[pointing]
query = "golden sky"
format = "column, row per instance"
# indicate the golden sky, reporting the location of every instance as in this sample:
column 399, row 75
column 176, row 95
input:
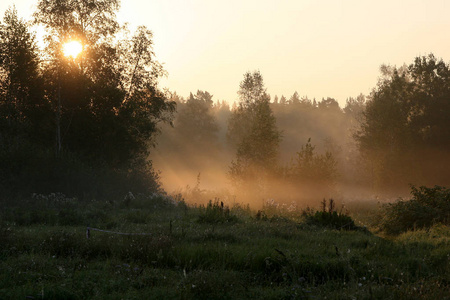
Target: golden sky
column 319, row 48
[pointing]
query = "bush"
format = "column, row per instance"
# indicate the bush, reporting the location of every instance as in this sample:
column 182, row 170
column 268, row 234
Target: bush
column 216, row 212
column 329, row 217
column 428, row 206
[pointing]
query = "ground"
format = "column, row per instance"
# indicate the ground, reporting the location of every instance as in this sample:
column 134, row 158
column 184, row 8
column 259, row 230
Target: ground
column 208, row 252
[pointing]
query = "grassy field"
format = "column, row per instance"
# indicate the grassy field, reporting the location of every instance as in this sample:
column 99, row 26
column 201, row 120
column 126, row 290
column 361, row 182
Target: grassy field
column 208, row 252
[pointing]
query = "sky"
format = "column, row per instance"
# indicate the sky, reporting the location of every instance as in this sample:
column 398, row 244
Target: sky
column 319, row 48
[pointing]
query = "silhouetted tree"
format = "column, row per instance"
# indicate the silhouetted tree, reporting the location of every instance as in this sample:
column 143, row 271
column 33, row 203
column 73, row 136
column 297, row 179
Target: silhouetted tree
column 251, row 89
column 21, row 95
column 196, row 122
column 329, row 104
column 275, row 99
column 355, row 107
column 405, row 133
column 106, row 103
column 315, row 173
column 111, row 102
column 295, row 98
column 253, row 127
column 430, row 101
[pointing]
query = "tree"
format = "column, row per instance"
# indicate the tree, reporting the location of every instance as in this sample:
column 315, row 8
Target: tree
column 430, row 101
column 91, row 21
column 21, row 95
column 315, row 172
column 111, row 104
column 329, row 104
column 405, row 127
column 275, row 99
column 144, row 105
column 81, row 91
column 251, row 89
column 384, row 136
column 306, row 102
column 354, row 107
column 106, row 103
column 251, row 94
column 295, row 98
column 253, row 127
column 196, row 120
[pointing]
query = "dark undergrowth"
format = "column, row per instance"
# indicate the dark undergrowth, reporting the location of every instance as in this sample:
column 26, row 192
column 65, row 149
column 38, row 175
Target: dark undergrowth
column 427, row 207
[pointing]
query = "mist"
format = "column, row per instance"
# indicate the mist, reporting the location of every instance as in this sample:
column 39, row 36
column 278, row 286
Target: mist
column 189, row 162
column 372, row 148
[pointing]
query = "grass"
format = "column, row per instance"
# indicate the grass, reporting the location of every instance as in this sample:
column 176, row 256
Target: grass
column 208, row 252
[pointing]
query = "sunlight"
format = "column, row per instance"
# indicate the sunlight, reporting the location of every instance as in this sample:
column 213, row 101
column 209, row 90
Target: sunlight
column 40, row 33
column 72, row 48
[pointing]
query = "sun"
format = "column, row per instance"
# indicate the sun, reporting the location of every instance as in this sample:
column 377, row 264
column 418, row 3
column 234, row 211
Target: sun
column 72, row 48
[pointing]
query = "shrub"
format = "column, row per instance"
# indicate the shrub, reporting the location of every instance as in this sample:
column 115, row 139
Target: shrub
column 428, row 206
column 328, row 217
column 216, row 212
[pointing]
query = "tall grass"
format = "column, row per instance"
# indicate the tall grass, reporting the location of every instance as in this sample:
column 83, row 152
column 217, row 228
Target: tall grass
column 197, row 253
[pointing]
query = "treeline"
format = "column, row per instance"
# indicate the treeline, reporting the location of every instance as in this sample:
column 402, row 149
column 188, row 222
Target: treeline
column 300, row 148
column 86, row 125
column 78, row 125
column 266, row 147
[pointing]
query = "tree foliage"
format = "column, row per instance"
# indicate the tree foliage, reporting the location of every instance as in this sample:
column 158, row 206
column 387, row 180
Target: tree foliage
column 110, row 93
column 21, row 101
column 355, row 106
column 197, row 121
column 405, row 127
column 313, row 171
column 251, row 89
column 313, row 167
column 104, row 106
column 252, row 127
column 329, row 104
column 88, row 20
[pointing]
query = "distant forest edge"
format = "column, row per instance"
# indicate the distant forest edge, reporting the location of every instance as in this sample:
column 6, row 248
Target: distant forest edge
column 98, row 126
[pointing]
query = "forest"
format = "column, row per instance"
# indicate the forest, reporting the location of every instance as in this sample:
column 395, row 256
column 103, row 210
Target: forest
column 376, row 144
column 91, row 139
column 102, row 116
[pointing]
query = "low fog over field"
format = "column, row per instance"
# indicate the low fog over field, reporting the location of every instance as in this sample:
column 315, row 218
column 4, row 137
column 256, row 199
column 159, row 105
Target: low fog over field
column 296, row 149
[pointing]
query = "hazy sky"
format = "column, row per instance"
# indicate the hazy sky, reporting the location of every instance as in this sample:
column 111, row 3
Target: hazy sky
column 328, row 48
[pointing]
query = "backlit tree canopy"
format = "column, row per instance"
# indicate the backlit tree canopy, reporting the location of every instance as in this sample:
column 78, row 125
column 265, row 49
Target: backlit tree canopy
column 21, row 98
column 252, row 127
column 406, row 125
column 102, row 106
column 109, row 94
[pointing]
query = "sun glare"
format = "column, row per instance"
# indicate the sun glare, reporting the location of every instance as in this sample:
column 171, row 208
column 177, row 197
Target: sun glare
column 72, row 48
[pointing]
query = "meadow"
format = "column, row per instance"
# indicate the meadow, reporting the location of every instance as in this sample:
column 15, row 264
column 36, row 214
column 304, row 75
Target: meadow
column 173, row 250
